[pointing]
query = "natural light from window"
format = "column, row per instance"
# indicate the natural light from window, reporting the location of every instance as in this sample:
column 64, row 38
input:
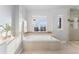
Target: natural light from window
column 40, row 23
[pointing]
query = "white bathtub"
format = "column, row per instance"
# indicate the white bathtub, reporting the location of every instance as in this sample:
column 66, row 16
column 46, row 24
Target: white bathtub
column 41, row 43
column 40, row 38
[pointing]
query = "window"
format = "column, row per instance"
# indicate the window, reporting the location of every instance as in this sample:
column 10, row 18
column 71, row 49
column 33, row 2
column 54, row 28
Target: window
column 5, row 27
column 5, row 22
column 60, row 22
column 40, row 23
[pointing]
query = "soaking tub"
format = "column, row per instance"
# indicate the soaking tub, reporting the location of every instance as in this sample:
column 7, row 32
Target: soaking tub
column 41, row 43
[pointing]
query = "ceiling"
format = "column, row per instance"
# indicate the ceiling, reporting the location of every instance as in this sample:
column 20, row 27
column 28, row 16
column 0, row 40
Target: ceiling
column 48, row 7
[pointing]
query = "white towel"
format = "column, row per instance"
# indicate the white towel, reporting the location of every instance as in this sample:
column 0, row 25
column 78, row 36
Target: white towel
column 75, row 25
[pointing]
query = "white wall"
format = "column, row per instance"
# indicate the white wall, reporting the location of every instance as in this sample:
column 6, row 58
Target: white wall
column 64, row 32
column 22, row 18
column 15, row 20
